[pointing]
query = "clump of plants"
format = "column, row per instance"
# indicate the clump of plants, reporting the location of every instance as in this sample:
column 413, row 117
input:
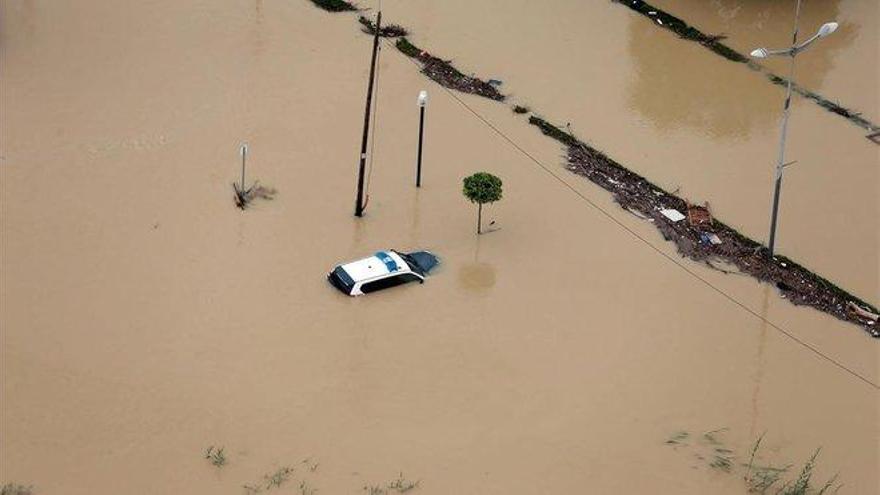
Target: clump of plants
column 306, row 489
column 335, row 5
column 310, row 464
column 16, row 489
column 399, row 485
column 403, row 485
column 759, row 478
column 519, row 109
column 278, row 478
column 216, row 456
column 387, row 31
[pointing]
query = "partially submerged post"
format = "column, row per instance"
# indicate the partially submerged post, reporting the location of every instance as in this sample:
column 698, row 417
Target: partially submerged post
column 359, row 204
column 244, row 149
column 243, row 194
column 423, row 100
column 791, row 52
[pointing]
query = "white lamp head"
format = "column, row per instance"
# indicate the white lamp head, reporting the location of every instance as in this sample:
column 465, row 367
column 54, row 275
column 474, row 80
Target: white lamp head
column 827, row 28
column 423, row 98
column 759, row 53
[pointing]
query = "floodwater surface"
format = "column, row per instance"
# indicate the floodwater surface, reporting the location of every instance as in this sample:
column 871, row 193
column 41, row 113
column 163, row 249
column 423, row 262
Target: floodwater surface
column 143, row 318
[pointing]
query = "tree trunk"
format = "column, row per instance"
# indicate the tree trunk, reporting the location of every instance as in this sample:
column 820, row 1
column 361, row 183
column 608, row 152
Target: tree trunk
column 479, row 218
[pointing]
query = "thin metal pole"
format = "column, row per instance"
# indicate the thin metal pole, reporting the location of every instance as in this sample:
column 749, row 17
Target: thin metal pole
column 243, row 161
column 780, row 164
column 421, row 136
column 359, row 205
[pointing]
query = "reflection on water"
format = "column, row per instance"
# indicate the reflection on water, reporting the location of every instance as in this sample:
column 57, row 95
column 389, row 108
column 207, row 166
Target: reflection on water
column 695, row 88
column 476, row 276
column 759, row 360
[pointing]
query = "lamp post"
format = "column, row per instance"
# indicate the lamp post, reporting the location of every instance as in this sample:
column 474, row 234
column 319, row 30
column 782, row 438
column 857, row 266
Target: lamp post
column 423, row 101
column 790, row 52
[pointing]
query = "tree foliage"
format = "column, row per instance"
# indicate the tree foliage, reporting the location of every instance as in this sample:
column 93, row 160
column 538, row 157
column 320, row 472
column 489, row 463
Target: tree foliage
column 482, row 188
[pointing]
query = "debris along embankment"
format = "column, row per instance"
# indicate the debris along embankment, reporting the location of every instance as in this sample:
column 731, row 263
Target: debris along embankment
column 445, row 74
column 702, row 238
column 712, row 42
column 335, row 5
column 439, row 70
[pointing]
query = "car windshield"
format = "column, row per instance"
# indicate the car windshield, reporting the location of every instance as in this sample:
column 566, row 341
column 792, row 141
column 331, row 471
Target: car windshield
column 412, row 263
column 341, row 279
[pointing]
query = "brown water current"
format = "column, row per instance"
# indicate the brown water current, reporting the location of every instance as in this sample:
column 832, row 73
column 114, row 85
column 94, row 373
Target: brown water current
column 144, row 318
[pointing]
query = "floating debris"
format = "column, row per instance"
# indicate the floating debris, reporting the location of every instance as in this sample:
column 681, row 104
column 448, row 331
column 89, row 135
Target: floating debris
column 699, row 215
column 444, row 73
column 640, row 197
column 243, row 198
column 671, row 214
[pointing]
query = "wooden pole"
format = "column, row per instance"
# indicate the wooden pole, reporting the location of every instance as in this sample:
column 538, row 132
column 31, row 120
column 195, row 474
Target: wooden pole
column 359, row 205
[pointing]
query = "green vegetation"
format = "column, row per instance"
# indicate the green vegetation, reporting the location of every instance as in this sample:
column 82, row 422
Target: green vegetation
column 387, row 31
column 403, row 485
column 407, row 48
column 399, row 485
column 759, row 479
column 216, row 456
column 16, row 489
column 335, row 5
column 278, row 478
column 306, row 489
column 554, row 132
column 678, row 438
column 482, row 188
column 519, row 109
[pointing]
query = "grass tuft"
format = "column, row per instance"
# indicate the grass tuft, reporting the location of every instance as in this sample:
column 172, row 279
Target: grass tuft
column 16, row 489
column 216, row 456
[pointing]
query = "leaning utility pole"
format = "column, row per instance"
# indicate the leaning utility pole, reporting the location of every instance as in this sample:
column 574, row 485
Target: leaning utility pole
column 359, row 205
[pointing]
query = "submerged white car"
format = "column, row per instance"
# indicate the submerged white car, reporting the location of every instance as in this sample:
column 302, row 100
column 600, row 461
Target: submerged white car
column 383, row 270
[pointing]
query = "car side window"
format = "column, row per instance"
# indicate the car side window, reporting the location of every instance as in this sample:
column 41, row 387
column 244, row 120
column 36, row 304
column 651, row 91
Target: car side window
column 388, row 282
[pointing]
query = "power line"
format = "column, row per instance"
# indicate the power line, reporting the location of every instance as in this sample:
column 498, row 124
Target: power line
column 635, row 234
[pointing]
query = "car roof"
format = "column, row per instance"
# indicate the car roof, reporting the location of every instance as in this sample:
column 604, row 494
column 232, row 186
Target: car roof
column 382, row 263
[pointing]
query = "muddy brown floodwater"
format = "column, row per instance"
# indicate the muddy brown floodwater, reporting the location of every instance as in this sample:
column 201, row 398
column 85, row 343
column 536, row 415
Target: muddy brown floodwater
column 144, row 318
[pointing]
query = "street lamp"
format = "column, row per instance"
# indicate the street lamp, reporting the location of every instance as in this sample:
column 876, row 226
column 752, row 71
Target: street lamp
column 791, row 52
column 423, row 100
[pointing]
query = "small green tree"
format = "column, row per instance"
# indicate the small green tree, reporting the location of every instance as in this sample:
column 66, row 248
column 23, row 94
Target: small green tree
column 481, row 188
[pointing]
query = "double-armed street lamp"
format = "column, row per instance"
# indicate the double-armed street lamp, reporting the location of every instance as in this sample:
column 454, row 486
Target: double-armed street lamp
column 791, row 52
